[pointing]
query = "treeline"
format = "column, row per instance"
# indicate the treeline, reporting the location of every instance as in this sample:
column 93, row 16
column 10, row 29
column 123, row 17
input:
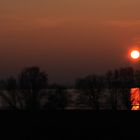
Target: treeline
column 117, row 83
column 31, row 90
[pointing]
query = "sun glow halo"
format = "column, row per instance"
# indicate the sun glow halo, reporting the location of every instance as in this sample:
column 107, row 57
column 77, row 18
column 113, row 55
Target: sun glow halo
column 135, row 54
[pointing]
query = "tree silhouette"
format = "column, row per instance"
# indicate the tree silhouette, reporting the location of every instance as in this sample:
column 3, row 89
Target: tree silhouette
column 30, row 89
column 25, row 92
column 31, row 82
column 119, row 83
column 137, row 78
column 57, row 98
column 112, row 85
column 91, row 87
column 10, row 95
column 127, row 81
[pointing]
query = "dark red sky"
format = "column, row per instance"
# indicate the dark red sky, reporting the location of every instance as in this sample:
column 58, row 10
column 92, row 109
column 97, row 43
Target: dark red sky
column 67, row 38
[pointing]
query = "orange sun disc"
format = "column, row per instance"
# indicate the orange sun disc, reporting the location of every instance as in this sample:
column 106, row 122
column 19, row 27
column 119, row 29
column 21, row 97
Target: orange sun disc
column 135, row 54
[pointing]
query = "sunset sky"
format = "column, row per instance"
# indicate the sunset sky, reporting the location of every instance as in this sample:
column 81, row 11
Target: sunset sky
column 67, row 38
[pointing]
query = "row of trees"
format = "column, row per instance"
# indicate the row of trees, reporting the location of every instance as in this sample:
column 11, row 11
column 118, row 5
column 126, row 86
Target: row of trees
column 117, row 83
column 31, row 91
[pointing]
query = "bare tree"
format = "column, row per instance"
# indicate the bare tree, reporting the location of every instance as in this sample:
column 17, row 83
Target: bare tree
column 119, row 82
column 25, row 92
column 10, row 94
column 91, row 87
column 57, row 98
column 127, row 81
column 31, row 82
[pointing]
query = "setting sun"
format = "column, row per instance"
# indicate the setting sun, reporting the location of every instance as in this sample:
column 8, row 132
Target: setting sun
column 135, row 54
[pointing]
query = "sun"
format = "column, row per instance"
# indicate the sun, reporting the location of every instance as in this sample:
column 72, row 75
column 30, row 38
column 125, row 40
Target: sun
column 135, row 54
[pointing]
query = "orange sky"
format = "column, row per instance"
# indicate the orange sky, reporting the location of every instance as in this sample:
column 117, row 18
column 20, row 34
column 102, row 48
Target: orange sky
column 67, row 38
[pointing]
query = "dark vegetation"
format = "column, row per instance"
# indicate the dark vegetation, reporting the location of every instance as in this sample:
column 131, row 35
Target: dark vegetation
column 31, row 90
